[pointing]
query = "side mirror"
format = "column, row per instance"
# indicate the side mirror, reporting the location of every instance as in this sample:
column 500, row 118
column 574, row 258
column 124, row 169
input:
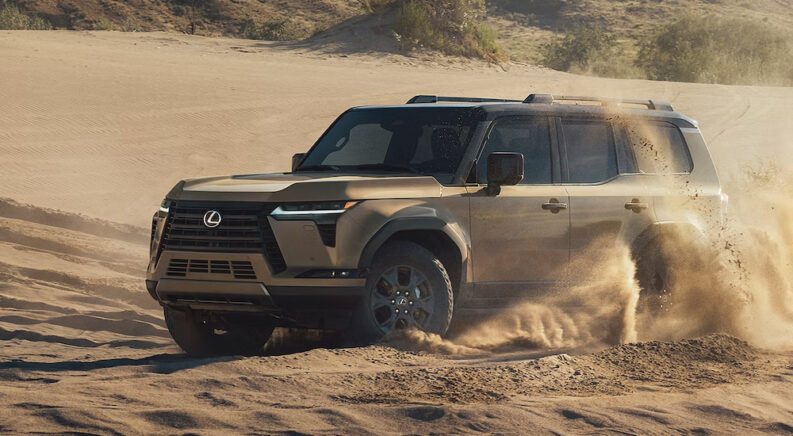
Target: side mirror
column 297, row 159
column 503, row 169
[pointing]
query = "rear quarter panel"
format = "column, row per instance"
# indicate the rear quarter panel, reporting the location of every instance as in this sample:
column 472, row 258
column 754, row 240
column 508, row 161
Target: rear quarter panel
column 693, row 198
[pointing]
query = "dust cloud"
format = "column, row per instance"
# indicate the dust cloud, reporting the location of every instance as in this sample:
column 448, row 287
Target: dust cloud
column 738, row 280
column 744, row 287
column 598, row 312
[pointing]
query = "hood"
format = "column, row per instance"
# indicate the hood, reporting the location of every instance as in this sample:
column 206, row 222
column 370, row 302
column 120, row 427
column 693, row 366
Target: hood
column 283, row 187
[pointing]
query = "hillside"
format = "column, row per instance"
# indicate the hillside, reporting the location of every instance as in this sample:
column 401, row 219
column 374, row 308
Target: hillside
column 707, row 41
column 100, row 125
column 523, row 25
column 202, row 17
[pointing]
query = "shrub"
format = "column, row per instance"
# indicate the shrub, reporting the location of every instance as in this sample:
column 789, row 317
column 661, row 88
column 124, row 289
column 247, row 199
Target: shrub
column 588, row 50
column 718, row 50
column 577, row 48
column 375, row 6
column 276, row 30
column 12, row 18
column 130, row 24
column 104, row 24
column 451, row 26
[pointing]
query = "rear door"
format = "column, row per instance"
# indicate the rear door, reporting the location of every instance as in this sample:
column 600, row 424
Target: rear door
column 609, row 203
column 520, row 238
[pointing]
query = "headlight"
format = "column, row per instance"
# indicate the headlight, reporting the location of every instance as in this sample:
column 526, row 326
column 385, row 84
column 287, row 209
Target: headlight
column 156, row 220
column 293, row 210
column 165, row 206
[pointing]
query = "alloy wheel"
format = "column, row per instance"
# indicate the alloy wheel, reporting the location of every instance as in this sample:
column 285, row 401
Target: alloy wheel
column 402, row 297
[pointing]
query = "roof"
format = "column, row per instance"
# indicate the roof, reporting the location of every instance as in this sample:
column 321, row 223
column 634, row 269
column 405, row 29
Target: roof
column 546, row 104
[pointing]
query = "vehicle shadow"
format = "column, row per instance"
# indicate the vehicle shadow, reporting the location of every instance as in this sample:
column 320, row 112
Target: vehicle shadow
column 283, row 342
column 159, row 363
column 290, row 341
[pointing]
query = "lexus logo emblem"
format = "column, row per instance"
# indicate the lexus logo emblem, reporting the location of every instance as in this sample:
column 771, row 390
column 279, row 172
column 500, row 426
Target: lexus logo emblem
column 212, row 219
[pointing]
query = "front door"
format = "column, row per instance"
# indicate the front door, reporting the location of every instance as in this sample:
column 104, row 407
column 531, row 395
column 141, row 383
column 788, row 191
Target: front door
column 520, row 238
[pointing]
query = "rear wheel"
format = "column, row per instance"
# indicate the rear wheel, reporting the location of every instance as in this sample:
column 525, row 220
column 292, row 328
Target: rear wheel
column 664, row 266
column 655, row 276
column 204, row 336
column 407, row 287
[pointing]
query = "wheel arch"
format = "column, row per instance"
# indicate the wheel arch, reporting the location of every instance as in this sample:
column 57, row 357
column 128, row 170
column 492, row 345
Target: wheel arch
column 431, row 233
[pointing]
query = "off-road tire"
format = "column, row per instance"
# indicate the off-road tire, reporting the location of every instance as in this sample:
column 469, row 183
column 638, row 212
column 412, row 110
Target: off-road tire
column 655, row 276
column 665, row 263
column 363, row 328
column 198, row 338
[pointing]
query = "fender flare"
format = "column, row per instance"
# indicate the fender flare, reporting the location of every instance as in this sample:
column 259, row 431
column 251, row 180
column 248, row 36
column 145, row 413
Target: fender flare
column 396, row 225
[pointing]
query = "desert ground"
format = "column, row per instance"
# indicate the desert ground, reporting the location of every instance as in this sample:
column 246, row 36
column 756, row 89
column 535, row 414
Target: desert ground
column 95, row 127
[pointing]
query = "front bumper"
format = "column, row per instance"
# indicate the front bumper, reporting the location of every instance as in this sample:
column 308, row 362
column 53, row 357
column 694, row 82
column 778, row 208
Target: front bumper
column 226, row 296
column 243, row 282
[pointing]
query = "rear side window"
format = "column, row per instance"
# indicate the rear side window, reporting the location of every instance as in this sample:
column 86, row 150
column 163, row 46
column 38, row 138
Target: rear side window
column 659, row 148
column 591, row 154
column 529, row 136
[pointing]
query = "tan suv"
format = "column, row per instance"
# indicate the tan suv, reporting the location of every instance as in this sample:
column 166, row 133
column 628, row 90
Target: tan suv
column 410, row 215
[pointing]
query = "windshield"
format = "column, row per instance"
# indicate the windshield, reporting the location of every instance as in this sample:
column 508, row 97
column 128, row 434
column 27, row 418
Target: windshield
column 421, row 140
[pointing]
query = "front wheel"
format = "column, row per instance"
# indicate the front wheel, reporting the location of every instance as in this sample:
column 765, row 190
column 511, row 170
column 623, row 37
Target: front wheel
column 200, row 336
column 407, row 287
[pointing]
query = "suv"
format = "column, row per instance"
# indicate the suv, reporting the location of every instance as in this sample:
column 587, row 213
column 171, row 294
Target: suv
column 405, row 216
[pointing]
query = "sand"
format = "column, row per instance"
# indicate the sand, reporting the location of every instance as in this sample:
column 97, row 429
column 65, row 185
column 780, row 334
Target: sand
column 95, row 127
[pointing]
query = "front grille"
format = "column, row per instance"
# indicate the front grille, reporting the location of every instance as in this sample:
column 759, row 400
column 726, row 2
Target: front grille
column 244, row 228
column 238, row 269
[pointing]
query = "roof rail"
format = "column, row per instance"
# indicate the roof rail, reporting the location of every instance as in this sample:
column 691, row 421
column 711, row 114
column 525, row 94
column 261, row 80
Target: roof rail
column 659, row 105
column 436, row 99
column 539, row 98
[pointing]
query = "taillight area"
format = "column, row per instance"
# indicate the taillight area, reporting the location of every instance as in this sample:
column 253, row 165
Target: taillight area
column 725, row 199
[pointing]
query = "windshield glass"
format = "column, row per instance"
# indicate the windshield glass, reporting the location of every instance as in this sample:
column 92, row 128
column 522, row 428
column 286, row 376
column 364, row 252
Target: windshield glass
column 419, row 140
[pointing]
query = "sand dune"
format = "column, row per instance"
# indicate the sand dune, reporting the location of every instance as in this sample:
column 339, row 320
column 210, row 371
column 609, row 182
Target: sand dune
column 104, row 123
column 95, row 128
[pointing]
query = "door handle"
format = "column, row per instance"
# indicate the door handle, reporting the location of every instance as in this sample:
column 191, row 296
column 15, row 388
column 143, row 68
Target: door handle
column 636, row 206
column 554, row 205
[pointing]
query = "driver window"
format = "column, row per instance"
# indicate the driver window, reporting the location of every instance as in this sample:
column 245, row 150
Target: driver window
column 528, row 136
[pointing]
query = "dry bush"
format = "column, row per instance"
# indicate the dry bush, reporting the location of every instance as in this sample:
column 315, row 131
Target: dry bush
column 718, row 50
column 588, row 49
column 104, row 24
column 375, row 6
column 274, row 30
column 12, row 18
column 130, row 24
column 577, row 48
column 452, row 26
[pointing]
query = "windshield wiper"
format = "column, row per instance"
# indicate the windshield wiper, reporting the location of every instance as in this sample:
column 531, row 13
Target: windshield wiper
column 318, row 168
column 387, row 167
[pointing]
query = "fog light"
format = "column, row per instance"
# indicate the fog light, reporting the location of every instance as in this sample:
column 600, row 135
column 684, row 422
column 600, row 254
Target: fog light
column 329, row 274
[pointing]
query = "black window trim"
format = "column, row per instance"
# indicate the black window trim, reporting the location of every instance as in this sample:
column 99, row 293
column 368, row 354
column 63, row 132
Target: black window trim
column 563, row 148
column 626, row 159
column 552, row 132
